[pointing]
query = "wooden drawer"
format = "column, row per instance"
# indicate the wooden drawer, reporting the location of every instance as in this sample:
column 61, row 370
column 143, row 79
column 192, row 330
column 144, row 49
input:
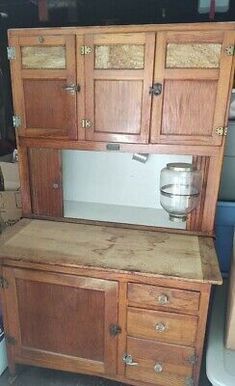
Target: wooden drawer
column 147, row 296
column 159, row 363
column 162, row 326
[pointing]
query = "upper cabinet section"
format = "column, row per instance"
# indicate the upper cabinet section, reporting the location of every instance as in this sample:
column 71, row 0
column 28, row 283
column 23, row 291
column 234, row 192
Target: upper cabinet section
column 142, row 85
column 118, row 73
column 44, row 86
column 193, row 70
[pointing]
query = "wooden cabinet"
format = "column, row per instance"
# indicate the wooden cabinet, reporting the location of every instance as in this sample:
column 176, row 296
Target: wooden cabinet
column 150, row 84
column 100, row 300
column 63, row 320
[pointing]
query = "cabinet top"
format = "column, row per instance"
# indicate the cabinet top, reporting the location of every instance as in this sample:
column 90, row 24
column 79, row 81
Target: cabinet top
column 162, row 254
column 213, row 26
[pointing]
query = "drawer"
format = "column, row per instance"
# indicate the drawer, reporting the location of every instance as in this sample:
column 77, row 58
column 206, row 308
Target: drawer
column 159, row 363
column 148, row 296
column 162, row 326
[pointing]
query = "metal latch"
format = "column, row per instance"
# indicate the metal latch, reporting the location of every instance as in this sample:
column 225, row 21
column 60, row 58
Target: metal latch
column 115, row 329
column 11, row 53
column 230, row 50
column 3, row 282
column 221, row 131
column 16, row 121
column 85, row 50
column 155, row 89
column 128, row 360
column 86, row 124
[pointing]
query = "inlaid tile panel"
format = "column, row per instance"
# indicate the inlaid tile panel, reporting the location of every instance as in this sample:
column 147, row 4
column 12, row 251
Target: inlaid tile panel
column 119, row 56
column 47, row 57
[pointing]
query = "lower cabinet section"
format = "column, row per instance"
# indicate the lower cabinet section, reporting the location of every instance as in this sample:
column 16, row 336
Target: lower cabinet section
column 98, row 325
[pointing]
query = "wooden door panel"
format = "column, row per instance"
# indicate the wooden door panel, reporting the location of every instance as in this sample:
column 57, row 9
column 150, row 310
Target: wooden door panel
column 64, row 320
column 45, row 182
column 194, row 71
column 118, row 74
column 115, row 113
column 177, row 118
column 44, row 68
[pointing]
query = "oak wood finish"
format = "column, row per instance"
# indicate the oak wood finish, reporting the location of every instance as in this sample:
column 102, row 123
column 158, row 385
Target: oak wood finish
column 45, row 181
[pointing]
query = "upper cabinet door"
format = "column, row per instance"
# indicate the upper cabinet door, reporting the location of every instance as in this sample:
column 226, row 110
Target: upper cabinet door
column 44, row 85
column 193, row 71
column 118, row 74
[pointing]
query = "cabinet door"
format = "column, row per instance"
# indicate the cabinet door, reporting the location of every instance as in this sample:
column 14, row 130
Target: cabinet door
column 62, row 321
column 45, row 180
column 118, row 74
column 194, row 70
column 44, row 85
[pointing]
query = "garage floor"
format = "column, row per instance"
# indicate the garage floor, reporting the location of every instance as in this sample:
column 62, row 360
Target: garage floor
column 33, row 376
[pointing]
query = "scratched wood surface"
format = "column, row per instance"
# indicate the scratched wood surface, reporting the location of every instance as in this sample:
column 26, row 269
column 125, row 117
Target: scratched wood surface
column 174, row 255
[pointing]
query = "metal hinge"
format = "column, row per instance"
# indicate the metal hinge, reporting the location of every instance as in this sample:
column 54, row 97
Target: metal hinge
column 230, row 50
column 10, row 340
column 3, row 282
column 86, row 124
column 11, row 53
column 85, row 50
column 221, row 131
column 16, row 121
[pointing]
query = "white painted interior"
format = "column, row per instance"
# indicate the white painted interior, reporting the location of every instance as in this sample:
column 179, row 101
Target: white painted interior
column 110, row 186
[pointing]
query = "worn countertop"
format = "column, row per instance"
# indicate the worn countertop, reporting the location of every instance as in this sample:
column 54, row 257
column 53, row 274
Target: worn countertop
column 181, row 256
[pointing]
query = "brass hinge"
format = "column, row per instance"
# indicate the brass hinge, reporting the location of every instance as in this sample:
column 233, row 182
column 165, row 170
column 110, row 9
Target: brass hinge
column 85, row 50
column 230, row 50
column 11, row 53
column 3, row 282
column 10, row 340
column 16, row 121
column 221, row 131
column 86, row 124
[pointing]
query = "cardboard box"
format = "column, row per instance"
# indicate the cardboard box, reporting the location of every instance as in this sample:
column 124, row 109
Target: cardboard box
column 230, row 322
column 10, row 206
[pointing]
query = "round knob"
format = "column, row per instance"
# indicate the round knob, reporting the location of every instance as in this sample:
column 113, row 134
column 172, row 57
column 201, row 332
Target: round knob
column 55, row 186
column 158, row 368
column 41, row 39
column 163, row 299
column 160, row 327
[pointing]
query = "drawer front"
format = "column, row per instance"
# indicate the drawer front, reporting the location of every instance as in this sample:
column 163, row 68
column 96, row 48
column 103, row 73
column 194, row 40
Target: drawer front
column 159, row 363
column 166, row 298
column 162, row 326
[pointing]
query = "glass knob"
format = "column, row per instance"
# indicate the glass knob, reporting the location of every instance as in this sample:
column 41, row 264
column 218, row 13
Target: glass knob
column 158, row 368
column 160, row 327
column 163, row 299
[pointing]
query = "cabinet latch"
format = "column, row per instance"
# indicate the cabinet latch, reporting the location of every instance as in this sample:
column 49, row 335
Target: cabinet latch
column 3, row 283
column 16, row 121
column 11, row 53
column 85, row 50
column 221, row 131
column 10, row 340
column 115, row 329
column 86, row 124
column 230, row 50
column 128, row 360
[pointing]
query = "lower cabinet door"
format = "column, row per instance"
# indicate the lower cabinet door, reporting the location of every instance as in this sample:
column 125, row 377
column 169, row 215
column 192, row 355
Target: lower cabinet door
column 61, row 321
column 159, row 363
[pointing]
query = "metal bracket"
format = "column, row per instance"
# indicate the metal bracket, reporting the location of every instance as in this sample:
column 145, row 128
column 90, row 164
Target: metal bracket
column 221, row 131
column 16, row 121
column 11, row 53
column 3, row 283
column 230, row 50
column 10, row 340
column 113, row 146
column 85, row 50
column 86, row 124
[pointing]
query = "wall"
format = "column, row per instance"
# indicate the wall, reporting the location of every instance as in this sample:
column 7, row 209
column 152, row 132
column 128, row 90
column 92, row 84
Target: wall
column 227, row 185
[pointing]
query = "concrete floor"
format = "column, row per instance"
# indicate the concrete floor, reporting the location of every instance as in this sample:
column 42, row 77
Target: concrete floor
column 33, row 376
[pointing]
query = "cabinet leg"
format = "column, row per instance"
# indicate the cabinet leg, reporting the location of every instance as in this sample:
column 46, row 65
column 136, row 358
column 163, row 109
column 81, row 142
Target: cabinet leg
column 12, row 368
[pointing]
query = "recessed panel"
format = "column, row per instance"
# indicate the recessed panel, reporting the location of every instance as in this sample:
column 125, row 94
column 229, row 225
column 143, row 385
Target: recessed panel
column 187, row 107
column 47, row 105
column 119, row 56
column 47, row 57
column 204, row 55
column 118, row 106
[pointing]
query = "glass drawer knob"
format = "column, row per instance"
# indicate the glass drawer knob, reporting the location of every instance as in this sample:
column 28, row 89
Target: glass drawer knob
column 160, row 327
column 158, row 368
column 163, row 299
